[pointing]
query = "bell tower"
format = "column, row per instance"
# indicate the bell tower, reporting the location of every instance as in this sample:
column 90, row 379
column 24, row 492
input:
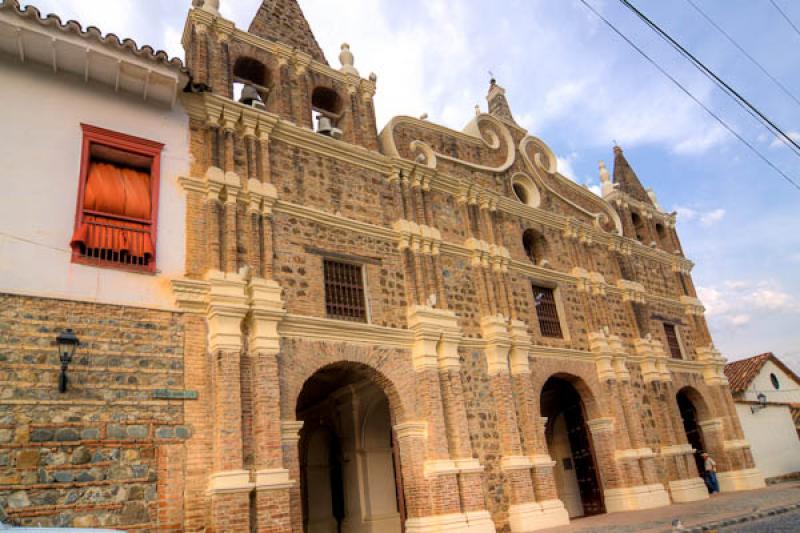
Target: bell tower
column 279, row 67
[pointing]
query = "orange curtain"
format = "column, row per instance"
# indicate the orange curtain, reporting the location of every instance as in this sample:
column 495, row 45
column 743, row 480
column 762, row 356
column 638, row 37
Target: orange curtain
column 117, row 192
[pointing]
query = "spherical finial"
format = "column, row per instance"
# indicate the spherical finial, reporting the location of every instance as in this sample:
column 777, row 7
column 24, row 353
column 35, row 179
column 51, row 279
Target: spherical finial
column 347, row 60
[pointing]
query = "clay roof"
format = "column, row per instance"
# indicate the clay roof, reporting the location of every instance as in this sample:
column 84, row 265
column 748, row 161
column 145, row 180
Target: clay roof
column 92, row 33
column 741, row 373
column 626, row 179
column 283, row 21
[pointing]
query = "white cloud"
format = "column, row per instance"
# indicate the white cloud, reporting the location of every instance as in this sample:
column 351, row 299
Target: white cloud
column 712, row 217
column 732, row 303
column 706, row 218
column 779, row 142
column 564, row 166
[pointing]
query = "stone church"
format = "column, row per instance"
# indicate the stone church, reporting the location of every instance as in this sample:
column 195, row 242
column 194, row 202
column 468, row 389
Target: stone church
column 292, row 322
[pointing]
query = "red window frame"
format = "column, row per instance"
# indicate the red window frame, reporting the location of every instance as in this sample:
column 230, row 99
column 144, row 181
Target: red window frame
column 133, row 145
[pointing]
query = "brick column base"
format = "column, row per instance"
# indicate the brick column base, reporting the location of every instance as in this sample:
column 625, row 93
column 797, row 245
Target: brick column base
column 230, row 511
column 272, row 511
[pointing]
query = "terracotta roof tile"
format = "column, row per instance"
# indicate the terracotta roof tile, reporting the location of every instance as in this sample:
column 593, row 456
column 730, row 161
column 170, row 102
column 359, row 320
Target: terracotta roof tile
column 92, row 32
column 741, row 373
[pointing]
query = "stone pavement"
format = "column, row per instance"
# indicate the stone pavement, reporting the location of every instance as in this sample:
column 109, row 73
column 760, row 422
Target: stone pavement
column 694, row 514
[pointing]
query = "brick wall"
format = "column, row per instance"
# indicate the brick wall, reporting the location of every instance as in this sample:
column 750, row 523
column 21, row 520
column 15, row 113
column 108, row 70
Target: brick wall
column 106, row 453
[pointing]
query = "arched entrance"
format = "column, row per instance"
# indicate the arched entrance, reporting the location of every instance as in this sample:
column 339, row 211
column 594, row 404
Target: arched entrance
column 690, row 417
column 570, row 446
column 349, row 471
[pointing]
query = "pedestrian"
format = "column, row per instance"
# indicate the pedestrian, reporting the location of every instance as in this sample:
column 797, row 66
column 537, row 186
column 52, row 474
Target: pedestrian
column 710, row 473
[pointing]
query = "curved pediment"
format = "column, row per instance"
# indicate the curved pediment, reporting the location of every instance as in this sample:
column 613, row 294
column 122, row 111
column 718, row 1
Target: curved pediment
column 487, row 145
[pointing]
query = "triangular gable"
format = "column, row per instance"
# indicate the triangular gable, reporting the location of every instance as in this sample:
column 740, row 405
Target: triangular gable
column 283, row 21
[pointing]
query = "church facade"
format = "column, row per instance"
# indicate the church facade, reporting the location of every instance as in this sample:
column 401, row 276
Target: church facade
column 412, row 330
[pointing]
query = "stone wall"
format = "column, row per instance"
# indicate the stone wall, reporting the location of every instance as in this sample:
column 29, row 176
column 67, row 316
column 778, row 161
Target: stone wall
column 96, row 455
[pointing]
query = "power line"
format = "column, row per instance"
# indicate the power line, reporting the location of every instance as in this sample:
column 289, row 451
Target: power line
column 743, row 51
column 730, row 91
column 690, row 95
column 785, row 16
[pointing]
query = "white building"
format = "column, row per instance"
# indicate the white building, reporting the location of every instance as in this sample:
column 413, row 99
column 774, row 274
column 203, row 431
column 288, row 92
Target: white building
column 73, row 98
column 767, row 396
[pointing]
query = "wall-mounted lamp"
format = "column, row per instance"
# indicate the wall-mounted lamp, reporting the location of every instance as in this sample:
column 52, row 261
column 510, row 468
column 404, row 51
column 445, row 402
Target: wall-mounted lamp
column 67, row 343
column 762, row 403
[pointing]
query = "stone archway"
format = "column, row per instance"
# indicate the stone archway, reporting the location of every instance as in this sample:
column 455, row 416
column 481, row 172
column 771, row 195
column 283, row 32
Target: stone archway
column 349, row 471
column 570, row 445
column 693, row 410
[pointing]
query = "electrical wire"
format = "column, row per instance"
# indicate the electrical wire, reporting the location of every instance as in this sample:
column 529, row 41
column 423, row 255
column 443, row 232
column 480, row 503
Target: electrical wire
column 692, row 96
column 743, row 51
column 785, row 16
column 730, row 91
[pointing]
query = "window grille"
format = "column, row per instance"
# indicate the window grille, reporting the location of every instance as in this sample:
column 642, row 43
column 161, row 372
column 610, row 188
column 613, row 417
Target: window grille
column 344, row 291
column 547, row 312
column 672, row 341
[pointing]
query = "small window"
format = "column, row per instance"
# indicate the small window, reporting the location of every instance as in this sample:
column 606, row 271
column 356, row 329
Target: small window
column 535, row 247
column 521, row 193
column 673, row 343
column 775, row 382
column 638, row 226
column 662, row 232
column 344, row 291
column 115, row 222
column 547, row 312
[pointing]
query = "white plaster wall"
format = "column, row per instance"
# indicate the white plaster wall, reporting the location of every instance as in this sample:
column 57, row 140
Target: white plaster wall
column 789, row 391
column 772, row 437
column 40, row 153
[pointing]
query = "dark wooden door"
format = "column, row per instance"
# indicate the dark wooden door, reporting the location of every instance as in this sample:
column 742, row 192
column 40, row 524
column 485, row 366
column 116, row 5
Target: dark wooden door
column 583, row 459
column 693, row 433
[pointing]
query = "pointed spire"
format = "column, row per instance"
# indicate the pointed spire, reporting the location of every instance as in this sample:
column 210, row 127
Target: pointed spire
column 625, row 178
column 283, row 21
column 498, row 105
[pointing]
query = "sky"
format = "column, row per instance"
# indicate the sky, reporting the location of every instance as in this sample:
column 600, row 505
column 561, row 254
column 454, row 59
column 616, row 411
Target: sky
column 578, row 86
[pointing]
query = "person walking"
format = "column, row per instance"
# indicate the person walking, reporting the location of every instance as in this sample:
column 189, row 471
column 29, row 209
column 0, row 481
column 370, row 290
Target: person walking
column 710, row 474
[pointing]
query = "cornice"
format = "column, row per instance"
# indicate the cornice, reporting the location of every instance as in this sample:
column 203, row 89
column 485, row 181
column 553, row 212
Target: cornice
column 306, row 327
column 334, row 220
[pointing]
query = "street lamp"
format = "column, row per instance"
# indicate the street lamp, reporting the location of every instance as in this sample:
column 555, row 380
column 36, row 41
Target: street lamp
column 762, row 403
column 67, row 343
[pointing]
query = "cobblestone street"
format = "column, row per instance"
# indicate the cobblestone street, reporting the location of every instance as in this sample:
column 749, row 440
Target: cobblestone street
column 721, row 507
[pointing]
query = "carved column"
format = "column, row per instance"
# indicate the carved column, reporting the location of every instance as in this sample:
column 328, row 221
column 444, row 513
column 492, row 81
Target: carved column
column 452, row 476
column 290, row 438
column 549, row 511
column 229, row 484
column 523, row 510
column 273, row 483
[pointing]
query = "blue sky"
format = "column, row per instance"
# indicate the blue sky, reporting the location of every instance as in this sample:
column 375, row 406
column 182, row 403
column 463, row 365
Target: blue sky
column 578, row 86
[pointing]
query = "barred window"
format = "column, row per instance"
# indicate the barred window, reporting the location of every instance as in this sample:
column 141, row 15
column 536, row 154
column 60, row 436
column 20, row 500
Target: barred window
column 547, row 312
column 344, row 291
column 672, row 341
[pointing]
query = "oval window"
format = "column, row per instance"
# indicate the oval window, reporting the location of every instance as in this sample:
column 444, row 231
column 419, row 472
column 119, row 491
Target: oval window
column 775, row 383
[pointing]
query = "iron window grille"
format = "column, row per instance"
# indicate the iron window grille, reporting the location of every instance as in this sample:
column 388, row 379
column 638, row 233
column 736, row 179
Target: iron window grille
column 547, row 312
column 344, row 291
column 672, row 341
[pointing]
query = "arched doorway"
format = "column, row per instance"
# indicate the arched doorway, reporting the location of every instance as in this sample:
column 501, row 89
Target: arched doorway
column 570, row 445
column 689, row 415
column 349, row 471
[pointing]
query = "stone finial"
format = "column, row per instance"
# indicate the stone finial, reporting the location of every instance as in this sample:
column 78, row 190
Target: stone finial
column 652, row 195
column 347, row 60
column 212, row 6
column 477, row 110
column 606, row 187
column 373, row 77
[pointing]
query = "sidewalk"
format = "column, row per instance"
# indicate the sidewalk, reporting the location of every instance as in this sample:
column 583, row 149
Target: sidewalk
column 719, row 507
